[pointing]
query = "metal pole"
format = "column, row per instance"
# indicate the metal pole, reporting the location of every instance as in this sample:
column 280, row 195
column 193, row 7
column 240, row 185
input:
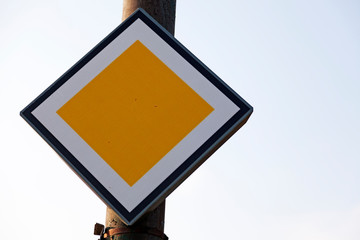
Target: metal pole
column 150, row 226
column 162, row 10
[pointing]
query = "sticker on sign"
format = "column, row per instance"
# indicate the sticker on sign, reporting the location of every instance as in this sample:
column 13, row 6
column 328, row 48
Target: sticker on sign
column 136, row 116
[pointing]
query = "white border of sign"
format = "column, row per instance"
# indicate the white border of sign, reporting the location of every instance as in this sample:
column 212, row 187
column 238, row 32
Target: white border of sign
column 128, row 196
column 44, row 111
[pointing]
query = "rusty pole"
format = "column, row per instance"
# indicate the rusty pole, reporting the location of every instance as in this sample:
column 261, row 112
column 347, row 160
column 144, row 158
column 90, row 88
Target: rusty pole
column 151, row 225
column 162, row 10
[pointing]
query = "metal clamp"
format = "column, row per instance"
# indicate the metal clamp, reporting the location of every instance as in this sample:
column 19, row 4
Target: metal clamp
column 109, row 232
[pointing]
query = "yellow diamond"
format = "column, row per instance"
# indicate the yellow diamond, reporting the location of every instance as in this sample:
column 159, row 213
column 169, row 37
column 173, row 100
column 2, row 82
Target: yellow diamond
column 134, row 112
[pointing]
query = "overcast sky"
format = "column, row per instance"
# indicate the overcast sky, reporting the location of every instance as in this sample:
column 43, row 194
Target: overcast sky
column 292, row 172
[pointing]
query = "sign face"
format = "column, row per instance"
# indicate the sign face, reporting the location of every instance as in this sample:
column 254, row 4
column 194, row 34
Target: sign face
column 136, row 116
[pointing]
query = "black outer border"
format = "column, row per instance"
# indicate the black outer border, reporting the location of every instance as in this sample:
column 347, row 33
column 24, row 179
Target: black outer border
column 185, row 168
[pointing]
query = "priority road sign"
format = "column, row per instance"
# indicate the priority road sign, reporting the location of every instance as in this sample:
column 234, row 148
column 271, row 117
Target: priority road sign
column 136, row 116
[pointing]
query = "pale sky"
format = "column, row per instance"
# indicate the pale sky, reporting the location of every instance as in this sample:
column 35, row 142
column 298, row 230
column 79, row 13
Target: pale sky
column 292, row 172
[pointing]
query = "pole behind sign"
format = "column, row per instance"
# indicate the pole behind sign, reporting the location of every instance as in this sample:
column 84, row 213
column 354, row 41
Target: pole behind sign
column 150, row 226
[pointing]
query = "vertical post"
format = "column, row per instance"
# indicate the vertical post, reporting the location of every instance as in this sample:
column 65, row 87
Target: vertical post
column 150, row 226
column 163, row 11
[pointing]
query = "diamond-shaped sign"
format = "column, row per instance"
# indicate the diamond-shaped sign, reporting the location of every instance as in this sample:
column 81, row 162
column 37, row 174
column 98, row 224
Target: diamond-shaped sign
column 136, row 116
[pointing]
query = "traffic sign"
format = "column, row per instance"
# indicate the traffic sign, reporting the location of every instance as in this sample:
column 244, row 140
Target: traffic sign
column 136, row 116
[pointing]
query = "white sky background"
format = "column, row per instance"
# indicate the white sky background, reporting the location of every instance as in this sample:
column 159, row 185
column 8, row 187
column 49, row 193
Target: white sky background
column 292, row 172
